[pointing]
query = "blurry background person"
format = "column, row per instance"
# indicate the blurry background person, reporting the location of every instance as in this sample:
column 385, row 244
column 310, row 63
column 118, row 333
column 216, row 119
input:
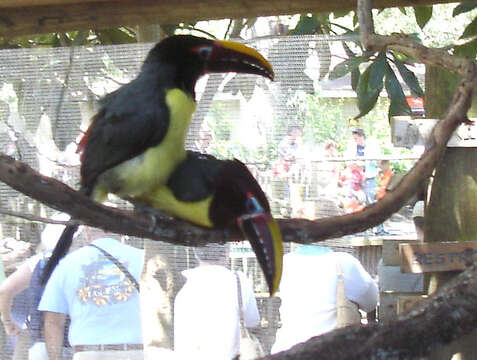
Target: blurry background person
column 206, row 316
column 308, row 292
column 329, row 171
column 289, row 146
column 418, row 219
column 100, row 298
column 367, row 149
column 385, row 176
column 20, row 294
column 203, row 143
column 351, row 179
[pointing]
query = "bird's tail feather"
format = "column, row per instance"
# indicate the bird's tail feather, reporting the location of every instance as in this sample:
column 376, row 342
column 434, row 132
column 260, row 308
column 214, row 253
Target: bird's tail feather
column 61, row 249
column 63, row 245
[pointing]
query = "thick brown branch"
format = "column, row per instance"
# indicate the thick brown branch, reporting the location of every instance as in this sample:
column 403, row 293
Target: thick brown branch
column 307, row 231
column 59, row 196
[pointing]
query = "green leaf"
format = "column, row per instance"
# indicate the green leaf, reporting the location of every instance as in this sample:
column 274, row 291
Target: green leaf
column 345, row 67
column 80, row 38
column 470, row 30
column 339, row 14
column 423, row 14
column 355, row 74
column 306, row 25
column 355, row 19
column 399, row 105
column 468, row 49
column 409, row 78
column 367, row 96
column 402, row 10
column 347, row 49
column 377, row 71
column 464, row 7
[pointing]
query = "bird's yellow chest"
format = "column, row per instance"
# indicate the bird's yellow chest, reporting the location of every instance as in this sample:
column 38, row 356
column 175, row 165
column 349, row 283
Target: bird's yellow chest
column 152, row 168
column 195, row 212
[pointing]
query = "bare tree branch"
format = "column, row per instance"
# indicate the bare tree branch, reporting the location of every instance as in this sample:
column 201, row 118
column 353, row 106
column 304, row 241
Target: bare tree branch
column 61, row 197
column 35, row 218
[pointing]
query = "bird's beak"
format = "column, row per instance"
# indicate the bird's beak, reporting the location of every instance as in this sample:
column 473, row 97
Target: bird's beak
column 263, row 233
column 230, row 56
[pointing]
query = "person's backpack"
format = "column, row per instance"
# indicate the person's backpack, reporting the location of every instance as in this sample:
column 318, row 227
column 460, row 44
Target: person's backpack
column 35, row 317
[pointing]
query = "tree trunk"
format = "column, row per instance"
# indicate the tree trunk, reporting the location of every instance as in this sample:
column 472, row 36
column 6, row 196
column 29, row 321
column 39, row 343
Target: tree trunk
column 452, row 208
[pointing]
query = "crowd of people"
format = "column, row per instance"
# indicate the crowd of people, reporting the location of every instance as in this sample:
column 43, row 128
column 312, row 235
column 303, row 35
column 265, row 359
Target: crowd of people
column 349, row 180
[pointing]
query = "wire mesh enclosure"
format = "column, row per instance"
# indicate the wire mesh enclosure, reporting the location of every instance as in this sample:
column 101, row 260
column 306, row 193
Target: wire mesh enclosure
column 48, row 96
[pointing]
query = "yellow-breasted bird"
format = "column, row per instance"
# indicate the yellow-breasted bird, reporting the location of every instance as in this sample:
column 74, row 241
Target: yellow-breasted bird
column 223, row 194
column 137, row 137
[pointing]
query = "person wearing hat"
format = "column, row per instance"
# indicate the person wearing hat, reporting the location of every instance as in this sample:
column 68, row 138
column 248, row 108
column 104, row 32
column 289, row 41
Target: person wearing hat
column 368, row 150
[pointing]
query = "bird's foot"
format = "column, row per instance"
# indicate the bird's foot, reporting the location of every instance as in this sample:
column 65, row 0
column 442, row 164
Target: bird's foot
column 146, row 210
column 226, row 236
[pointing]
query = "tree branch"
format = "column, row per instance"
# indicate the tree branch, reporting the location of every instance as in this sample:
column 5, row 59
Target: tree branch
column 61, row 197
column 404, row 44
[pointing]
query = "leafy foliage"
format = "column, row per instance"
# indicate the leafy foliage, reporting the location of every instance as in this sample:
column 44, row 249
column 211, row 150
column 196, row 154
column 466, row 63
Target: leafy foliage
column 423, row 14
column 399, row 105
column 464, row 7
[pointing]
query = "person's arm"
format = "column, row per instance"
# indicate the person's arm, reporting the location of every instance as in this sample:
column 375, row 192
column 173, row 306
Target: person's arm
column 54, row 328
column 13, row 285
column 251, row 315
column 359, row 285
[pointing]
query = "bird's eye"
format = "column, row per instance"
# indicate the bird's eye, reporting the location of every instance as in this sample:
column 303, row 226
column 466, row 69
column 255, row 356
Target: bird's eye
column 252, row 205
column 204, row 52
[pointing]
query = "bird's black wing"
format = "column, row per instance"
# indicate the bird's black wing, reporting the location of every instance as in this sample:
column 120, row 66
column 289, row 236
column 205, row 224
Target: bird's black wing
column 194, row 179
column 132, row 119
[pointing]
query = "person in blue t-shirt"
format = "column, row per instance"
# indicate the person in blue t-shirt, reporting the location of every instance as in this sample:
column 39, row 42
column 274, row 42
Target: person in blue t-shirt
column 100, row 298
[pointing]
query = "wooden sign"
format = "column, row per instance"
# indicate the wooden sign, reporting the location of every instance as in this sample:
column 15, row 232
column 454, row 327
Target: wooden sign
column 433, row 257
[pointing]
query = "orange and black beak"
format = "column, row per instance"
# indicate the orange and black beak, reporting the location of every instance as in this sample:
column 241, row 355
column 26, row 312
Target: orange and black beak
column 263, row 233
column 230, row 56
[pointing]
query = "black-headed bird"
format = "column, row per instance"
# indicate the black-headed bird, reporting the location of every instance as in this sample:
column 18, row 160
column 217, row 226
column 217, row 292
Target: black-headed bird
column 223, row 194
column 137, row 137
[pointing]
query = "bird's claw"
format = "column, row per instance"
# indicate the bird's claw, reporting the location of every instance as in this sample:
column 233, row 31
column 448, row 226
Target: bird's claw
column 146, row 210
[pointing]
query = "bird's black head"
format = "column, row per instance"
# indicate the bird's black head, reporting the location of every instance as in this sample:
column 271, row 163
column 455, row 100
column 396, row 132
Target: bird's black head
column 233, row 185
column 240, row 201
column 190, row 57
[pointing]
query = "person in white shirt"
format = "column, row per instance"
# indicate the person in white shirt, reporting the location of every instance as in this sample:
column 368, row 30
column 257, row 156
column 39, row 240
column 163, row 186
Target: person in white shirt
column 206, row 315
column 308, row 292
